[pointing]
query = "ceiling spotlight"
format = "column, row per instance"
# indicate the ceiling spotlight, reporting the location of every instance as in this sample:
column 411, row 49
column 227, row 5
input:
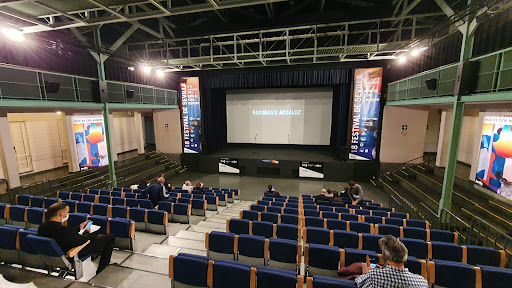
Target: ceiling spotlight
column 131, row 68
column 415, row 52
column 402, row 59
column 160, row 73
column 146, row 69
column 423, row 49
column 13, row 34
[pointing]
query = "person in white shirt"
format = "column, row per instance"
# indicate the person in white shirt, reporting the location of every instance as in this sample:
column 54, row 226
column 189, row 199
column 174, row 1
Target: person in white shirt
column 187, row 186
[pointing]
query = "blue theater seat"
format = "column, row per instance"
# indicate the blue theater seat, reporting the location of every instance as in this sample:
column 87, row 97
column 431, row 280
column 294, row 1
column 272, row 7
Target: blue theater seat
column 118, row 201
column 447, row 251
column 250, row 215
column 329, row 282
column 323, row 203
column 84, row 207
column 104, row 199
column 360, row 227
column 372, row 219
column 105, row 192
column 167, row 207
column 23, row 200
column 35, row 217
column 101, row 221
column 288, row 231
column 64, row 195
column 279, row 199
column 362, row 212
column 487, row 256
column 325, row 208
column 188, row 269
column 93, row 191
column 400, row 215
column 371, row 242
column 260, row 208
column 349, row 217
column 416, row 233
column 451, row 274
column 386, row 229
column 157, row 221
column 331, row 215
column 263, row 202
column 18, row 215
column 315, row 222
column 355, row 207
column 27, row 255
column 212, row 202
column 128, row 195
column 89, row 198
column 139, row 215
column 120, row 212
column 263, row 228
column 312, row 213
column 184, row 200
column 252, row 249
column 444, row 236
column 181, row 213
column 227, row 274
column 132, row 203
column 37, row 201
column 275, row 209
column 346, row 239
column 317, row 235
column 292, row 205
column 310, row 207
column 75, row 219
column 239, row 226
column 284, row 254
column 291, row 211
column 289, row 219
column 380, row 213
column 273, row 277
column 4, row 208
column 270, row 217
column 76, row 196
column 49, row 201
column 394, row 221
column 8, row 247
column 416, row 266
column 333, row 224
column 116, row 194
column 351, row 256
column 221, row 245
column 417, row 248
column 278, row 204
column 223, row 199
column 198, row 207
column 124, row 230
column 101, row 209
column 417, row 223
column 342, row 210
column 493, row 277
column 71, row 205
column 321, row 260
column 144, row 203
column 387, row 209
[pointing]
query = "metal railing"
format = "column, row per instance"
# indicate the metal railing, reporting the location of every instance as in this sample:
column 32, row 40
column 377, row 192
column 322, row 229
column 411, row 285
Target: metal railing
column 494, row 75
column 20, row 83
column 411, row 162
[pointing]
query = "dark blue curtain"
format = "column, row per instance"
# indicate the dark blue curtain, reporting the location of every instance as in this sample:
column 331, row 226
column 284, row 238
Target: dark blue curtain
column 213, row 85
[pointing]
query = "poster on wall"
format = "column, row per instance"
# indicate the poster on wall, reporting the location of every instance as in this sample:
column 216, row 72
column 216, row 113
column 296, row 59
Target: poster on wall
column 309, row 169
column 91, row 146
column 495, row 159
column 365, row 113
column 229, row 165
column 191, row 114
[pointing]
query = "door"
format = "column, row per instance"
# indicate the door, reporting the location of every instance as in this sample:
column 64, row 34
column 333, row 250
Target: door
column 149, row 129
column 21, row 146
column 62, row 138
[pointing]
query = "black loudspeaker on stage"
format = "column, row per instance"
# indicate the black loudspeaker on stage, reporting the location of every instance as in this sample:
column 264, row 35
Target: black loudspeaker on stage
column 467, row 78
column 99, row 91
column 431, row 84
column 51, row 87
column 130, row 94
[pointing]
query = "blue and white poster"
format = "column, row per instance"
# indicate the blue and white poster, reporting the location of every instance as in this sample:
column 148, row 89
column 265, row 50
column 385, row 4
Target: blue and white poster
column 365, row 113
column 191, row 114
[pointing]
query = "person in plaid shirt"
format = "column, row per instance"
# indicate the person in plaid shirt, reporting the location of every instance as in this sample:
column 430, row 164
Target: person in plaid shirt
column 393, row 274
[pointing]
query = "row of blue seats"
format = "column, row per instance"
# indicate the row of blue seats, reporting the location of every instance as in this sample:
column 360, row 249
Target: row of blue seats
column 114, row 193
column 476, row 255
column 227, row 195
column 187, row 270
column 129, row 190
column 45, row 202
column 349, row 207
column 312, row 201
column 212, row 201
column 357, row 225
column 236, row 192
column 23, row 247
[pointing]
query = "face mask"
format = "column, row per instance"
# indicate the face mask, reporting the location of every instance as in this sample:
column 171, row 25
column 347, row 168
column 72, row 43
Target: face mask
column 65, row 219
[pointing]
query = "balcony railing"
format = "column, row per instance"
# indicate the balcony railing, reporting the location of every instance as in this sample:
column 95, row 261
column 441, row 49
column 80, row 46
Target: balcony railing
column 494, row 75
column 19, row 83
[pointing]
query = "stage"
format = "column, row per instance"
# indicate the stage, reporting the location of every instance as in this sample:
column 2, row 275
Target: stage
column 281, row 161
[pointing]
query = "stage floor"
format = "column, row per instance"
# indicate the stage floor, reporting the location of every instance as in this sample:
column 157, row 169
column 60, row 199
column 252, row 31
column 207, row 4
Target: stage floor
column 294, row 153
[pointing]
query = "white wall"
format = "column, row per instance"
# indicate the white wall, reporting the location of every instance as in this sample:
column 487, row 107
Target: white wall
column 125, row 132
column 432, row 134
column 44, row 139
column 396, row 148
column 168, row 140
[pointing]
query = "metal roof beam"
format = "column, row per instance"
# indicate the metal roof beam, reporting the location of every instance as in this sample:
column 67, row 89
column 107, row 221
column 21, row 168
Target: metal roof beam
column 22, row 16
column 82, row 38
column 121, row 40
column 108, row 9
column 46, row 6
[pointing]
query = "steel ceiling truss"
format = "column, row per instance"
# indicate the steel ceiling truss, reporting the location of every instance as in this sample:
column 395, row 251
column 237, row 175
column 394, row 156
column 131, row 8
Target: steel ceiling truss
column 347, row 41
column 47, row 15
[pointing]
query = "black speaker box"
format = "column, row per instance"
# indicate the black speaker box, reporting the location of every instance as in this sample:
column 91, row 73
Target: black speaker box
column 99, row 91
column 51, row 87
column 431, row 84
column 130, row 94
column 467, row 78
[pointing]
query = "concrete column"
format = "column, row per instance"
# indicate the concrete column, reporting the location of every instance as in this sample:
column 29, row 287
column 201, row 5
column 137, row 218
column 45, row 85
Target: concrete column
column 140, row 131
column 73, row 163
column 107, row 121
column 113, row 142
column 9, row 164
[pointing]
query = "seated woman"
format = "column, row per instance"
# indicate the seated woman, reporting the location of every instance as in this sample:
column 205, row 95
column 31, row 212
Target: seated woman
column 198, row 187
column 271, row 191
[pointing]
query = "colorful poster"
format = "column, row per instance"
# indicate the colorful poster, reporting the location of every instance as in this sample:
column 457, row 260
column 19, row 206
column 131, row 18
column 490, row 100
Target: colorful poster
column 191, row 114
column 365, row 113
column 495, row 160
column 91, row 146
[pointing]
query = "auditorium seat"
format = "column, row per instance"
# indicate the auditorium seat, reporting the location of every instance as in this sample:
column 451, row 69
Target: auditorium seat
column 416, row 266
column 417, row 223
column 104, row 192
column 275, row 209
column 263, row 228
column 310, row 207
column 71, row 205
column 321, row 260
column 493, row 277
column 23, row 200
column 8, row 245
column 132, row 203
column 101, row 221
column 394, row 221
column 139, row 215
column 64, row 195
column 144, row 203
column 18, row 215
column 75, row 219
column 127, row 195
column 187, row 270
column 314, row 222
column 371, row 219
column 27, row 255
column 290, row 219
column 288, row 231
column 84, row 207
column 444, row 236
column 221, row 245
column 362, row 212
column 76, row 196
column 487, row 256
column 252, row 249
column 250, row 215
column 453, row 275
column 37, row 201
column 273, row 277
column 54, row 257
column 352, row 206
column 418, row 248
column 167, row 207
column 317, row 235
column 262, row 202
column 119, row 201
column 222, row 199
column 350, row 256
column 270, row 217
column 346, row 239
column 198, row 207
column 124, row 230
column 325, row 208
column 342, row 210
column 181, row 213
column 4, row 213
column 260, row 208
column 212, row 202
column 292, row 211
column 239, row 226
column 93, row 191
column 279, row 199
column 116, row 194
column 386, row 229
column 292, row 205
column 331, row 215
column 104, row 199
column 415, row 233
column 157, row 221
column 329, row 282
column 227, row 274
column 278, row 204
column 349, row 217
column 361, row 227
column 101, row 209
column 90, row 198
column 380, row 213
column 387, row 209
column 35, row 217
column 284, row 254
column 370, row 242
column 120, row 212
column 333, row 224
column 448, row 251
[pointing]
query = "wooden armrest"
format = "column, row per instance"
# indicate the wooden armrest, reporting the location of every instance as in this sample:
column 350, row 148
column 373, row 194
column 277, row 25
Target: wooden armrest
column 73, row 251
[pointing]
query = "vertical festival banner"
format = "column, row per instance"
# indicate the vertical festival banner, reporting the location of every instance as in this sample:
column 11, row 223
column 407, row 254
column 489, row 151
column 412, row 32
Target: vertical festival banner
column 91, row 146
column 365, row 113
column 191, row 114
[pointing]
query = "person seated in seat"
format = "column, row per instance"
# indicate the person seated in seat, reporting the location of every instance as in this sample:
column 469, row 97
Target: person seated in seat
column 187, row 186
column 336, row 197
column 324, row 196
column 271, row 191
column 355, row 193
column 143, row 184
column 394, row 273
column 67, row 237
column 198, row 187
column 166, row 185
column 157, row 192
